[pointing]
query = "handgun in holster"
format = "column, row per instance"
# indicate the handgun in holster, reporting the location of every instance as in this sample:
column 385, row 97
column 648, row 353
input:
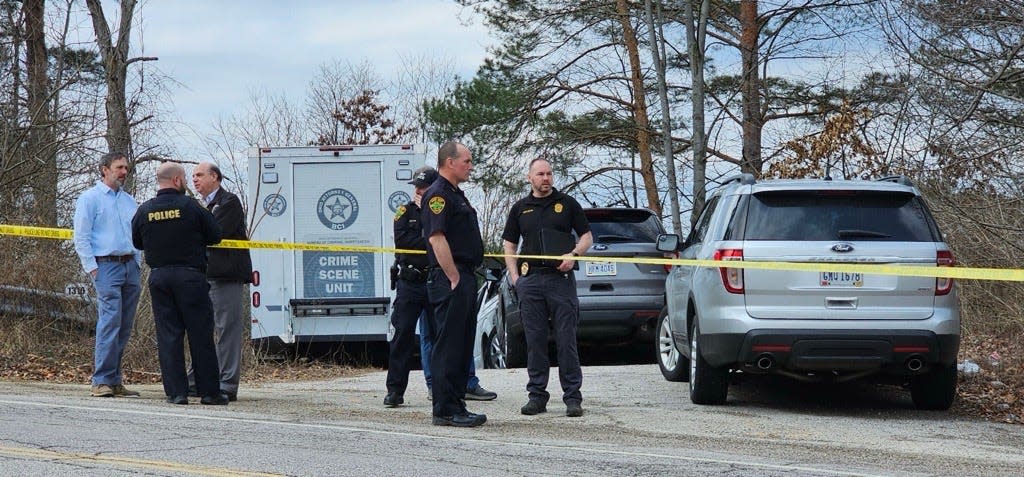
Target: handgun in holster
column 394, row 275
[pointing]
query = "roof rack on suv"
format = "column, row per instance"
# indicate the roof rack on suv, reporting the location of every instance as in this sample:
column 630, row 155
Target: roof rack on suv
column 899, row 179
column 745, row 178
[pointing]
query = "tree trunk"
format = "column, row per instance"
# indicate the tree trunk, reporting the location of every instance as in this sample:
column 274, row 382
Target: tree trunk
column 666, row 128
column 41, row 167
column 643, row 129
column 696, row 33
column 753, row 121
column 115, row 62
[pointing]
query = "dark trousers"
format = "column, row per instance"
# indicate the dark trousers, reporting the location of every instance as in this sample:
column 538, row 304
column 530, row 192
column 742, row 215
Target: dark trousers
column 410, row 301
column 543, row 296
column 181, row 305
column 454, row 327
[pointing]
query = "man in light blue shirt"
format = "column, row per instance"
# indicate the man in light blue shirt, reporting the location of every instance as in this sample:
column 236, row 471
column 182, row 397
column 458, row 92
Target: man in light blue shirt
column 103, row 240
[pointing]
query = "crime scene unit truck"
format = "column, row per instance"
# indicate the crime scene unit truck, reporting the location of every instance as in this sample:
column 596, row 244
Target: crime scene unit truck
column 329, row 195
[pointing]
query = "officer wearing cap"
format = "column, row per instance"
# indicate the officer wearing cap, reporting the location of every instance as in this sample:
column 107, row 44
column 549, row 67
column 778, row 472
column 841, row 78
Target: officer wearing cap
column 454, row 249
column 547, row 288
column 409, row 277
column 173, row 231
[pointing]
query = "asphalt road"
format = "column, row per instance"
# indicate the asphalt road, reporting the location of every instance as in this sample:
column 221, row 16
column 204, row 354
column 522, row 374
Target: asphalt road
column 635, row 424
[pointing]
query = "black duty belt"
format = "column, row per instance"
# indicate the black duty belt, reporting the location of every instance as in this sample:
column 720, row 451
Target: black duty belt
column 412, row 273
column 527, row 267
column 116, row 258
column 466, row 267
column 180, row 267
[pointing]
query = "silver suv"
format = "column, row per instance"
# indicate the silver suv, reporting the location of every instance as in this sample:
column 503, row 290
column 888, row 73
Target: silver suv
column 812, row 326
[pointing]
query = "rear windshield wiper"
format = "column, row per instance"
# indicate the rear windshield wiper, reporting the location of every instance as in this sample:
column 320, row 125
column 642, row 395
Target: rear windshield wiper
column 848, row 233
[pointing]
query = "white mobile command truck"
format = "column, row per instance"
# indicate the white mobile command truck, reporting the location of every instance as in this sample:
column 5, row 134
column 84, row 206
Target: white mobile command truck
column 344, row 195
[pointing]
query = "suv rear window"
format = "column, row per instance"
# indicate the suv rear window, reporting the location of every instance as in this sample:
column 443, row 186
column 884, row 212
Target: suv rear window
column 838, row 215
column 610, row 226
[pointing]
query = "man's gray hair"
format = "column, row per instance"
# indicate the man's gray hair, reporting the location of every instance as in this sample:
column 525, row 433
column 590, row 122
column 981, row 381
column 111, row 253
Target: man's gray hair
column 107, row 159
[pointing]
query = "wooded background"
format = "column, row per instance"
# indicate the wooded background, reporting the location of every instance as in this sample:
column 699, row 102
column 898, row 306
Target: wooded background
column 636, row 103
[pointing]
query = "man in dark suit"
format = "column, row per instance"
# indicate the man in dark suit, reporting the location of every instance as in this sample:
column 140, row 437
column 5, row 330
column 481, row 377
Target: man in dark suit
column 228, row 272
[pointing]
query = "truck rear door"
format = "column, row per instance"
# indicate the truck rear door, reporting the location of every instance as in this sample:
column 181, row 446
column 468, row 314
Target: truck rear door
column 338, row 203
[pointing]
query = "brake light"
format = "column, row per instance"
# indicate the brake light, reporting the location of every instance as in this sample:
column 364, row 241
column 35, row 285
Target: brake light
column 255, row 278
column 255, row 299
column 732, row 278
column 672, row 255
column 943, row 285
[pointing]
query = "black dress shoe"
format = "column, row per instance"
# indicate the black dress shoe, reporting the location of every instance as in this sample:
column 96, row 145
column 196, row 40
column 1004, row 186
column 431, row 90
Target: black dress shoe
column 393, row 399
column 177, row 399
column 232, row 396
column 192, row 392
column 215, row 400
column 460, row 420
column 573, row 409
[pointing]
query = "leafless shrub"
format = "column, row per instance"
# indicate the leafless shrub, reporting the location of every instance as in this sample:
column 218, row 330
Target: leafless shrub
column 985, row 230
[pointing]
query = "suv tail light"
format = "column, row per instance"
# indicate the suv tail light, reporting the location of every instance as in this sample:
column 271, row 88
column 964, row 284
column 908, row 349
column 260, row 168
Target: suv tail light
column 943, row 258
column 672, row 255
column 732, row 278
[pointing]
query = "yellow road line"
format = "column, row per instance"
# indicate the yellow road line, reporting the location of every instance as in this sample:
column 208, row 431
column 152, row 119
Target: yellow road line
column 130, row 462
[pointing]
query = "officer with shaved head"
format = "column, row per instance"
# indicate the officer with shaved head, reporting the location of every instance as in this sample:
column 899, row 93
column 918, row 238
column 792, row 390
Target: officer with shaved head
column 173, row 231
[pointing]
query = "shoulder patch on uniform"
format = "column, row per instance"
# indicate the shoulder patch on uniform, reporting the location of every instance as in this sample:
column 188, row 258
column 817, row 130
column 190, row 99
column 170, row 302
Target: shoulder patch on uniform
column 436, row 204
column 558, row 207
column 399, row 212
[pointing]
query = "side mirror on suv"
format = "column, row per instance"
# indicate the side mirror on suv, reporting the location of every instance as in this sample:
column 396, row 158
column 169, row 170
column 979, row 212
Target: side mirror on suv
column 492, row 274
column 668, row 243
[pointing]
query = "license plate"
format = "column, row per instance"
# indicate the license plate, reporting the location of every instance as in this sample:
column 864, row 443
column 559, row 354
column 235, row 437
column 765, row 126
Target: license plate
column 842, row 279
column 601, row 269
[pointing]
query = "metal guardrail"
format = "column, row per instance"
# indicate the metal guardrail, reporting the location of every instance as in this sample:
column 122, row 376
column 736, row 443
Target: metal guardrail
column 22, row 301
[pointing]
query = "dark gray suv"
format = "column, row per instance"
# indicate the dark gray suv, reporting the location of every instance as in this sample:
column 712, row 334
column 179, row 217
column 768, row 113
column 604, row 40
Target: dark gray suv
column 822, row 325
column 619, row 302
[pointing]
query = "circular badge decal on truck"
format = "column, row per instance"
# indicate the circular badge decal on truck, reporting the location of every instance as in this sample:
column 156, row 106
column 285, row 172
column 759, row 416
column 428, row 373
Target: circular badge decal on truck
column 397, row 200
column 275, row 205
column 337, row 209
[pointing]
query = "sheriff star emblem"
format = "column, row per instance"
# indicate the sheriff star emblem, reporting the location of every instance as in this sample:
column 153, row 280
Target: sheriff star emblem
column 436, row 205
column 524, row 269
column 558, row 207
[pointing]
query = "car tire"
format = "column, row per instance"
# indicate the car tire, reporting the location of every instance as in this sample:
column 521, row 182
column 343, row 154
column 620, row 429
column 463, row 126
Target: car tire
column 708, row 384
column 515, row 349
column 674, row 365
column 936, row 389
column 504, row 349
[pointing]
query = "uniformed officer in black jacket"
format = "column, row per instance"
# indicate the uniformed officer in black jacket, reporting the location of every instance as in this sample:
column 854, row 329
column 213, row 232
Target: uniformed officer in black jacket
column 410, row 280
column 173, row 231
column 454, row 250
column 547, row 288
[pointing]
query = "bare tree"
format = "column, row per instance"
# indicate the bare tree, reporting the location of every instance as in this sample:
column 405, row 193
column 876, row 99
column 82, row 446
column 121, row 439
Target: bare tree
column 40, row 148
column 115, row 63
column 336, row 82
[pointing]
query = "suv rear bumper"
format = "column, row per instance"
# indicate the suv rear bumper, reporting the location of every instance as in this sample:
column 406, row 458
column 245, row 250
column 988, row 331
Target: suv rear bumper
column 832, row 350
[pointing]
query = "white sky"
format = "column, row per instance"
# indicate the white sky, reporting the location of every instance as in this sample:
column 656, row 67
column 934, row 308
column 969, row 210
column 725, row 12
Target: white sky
column 221, row 50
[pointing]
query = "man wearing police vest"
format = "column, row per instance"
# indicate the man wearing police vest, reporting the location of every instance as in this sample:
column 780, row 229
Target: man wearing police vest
column 547, row 288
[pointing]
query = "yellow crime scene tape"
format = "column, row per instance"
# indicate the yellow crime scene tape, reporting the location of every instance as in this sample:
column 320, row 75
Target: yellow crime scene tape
column 963, row 273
